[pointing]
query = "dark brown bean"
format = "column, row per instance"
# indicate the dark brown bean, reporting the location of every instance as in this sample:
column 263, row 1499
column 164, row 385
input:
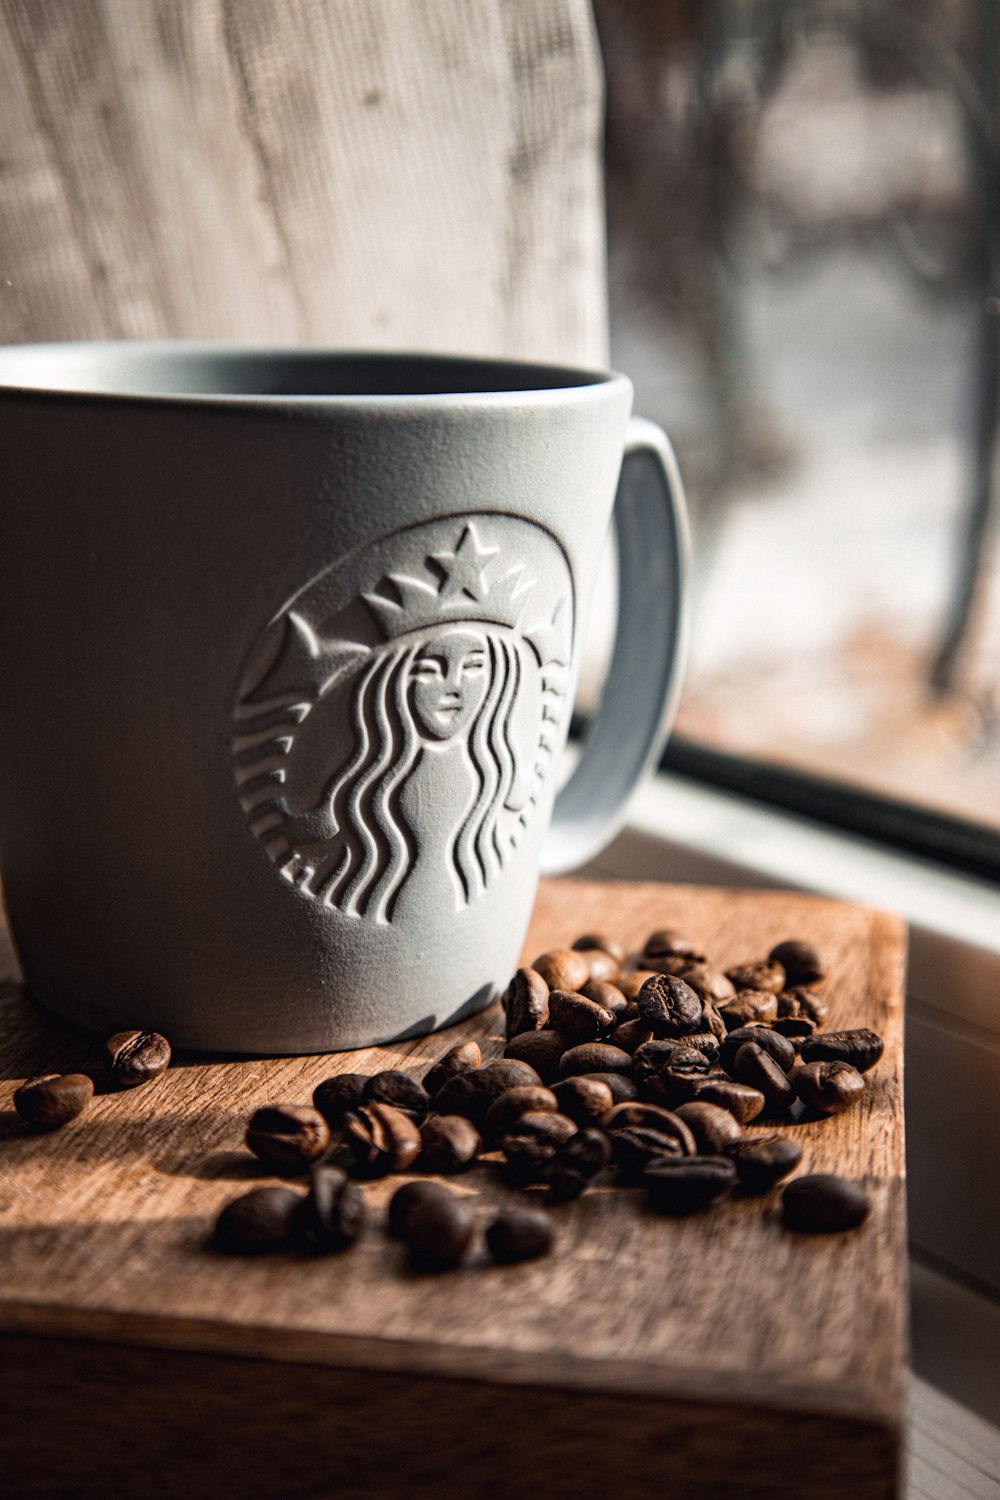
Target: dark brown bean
column 526, row 1002
column 543, row 1125
column 392, row 1086
column 336, row 1096
column 53, row 1099
column 448, row 1143
column 382, row 1140
column 438, row 1232
column 828, row 1087
column 688, row 1184
column 563, row 968
column 742, row 1101
column 653, row 1056
column 288, row 1136
column 668, row 945
column 541, row 1050
column 713, row 1127
column 670, row 1007
column 634, row 1147
column 578, row 1019
column 588, row 941
column 631, row 1034
column 505, row 1111
column 765, row 975
column 796, row 1028
column 408, row 1197
column 773, row 1043
column 805, row 1004
column 576, row 1164
column 623, row 1088
column 257, row 1222
column 824, row 1204
column 136, row 1057
column 801, row 960
column 471, row 1094
column 748, row 1007
column 602, row 966
column 583, row 1099
column 758, row 1070
column 711, row 984
column 861, row 1048
column 462, row 1058
column 331, row 1215
column 631, row 984
column 519, row 1234
column 640, row 1116
column 594, row 1057
column 604, row 993
column 763, row 1160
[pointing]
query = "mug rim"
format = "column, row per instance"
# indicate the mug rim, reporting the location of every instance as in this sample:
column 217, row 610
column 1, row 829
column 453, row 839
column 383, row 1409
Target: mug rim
column 477, row 379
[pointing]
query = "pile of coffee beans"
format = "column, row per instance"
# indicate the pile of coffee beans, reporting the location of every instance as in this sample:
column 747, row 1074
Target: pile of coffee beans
column 130, row 1058
column 642, row 1073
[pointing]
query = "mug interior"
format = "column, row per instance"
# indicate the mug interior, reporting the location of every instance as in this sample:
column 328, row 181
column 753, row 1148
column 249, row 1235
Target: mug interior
column 136, row 369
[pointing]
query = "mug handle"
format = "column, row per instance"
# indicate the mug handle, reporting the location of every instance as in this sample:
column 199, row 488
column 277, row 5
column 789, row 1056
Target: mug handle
column 644, row 678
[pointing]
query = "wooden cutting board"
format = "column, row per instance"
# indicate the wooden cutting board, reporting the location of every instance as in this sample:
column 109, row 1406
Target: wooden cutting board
column 715, row 1356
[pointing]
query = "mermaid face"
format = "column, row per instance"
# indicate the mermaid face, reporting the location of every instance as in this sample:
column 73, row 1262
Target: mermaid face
column 448, row 682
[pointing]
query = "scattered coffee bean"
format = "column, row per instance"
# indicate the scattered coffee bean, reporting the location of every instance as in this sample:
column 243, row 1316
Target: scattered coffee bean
column 563, row 969
column 824, row 1204
column 713, row 1127
column 748, row 1007
column 258, row 1222
column 742, row 1101
column 541, row 1050
column 623, row 1088
column 381, row 1139
column 288, row 1136
column 763, row 1160
column 631, row 1034
column 505, row 1111
column 688, row 1184
column 758, row 1070
column 526, row 1159
column 136, row 1057
column 408, row 1197
column 601, row 965
column 438, row 1232
column 336, row 1096
column 448, row 1143
column 608, row 995
column 576, row 1164
column 795, row 1028
column 400, row 1090
column 526, row 1002
column 519, row 1234
column 861, row 1048
column 543, row 1125
column 331, row 1215
column 589, row 941
column 767, row 975
column 462, row 1058
column 471, row 1094
column 640, row 1116
column 53, row 1099
column 578, row 1019
column 634, row 1147
column 828, row 1087
column 631, row 984
column 594, row 1057
column 667, row 946
column 583, row 1099
column 711, row 984
column 800, row 960
column 705, row 1042
column 806, row 1004
column 671, row 1007
column 773, row 1043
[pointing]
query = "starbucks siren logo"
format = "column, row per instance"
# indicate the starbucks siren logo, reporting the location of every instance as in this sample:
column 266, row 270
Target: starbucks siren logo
column 397, row 724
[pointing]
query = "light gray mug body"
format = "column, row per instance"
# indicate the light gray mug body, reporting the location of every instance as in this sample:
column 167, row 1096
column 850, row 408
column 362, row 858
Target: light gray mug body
column 288, row 648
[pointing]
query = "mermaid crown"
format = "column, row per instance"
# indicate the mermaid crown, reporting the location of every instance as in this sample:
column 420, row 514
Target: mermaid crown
column 463, row 584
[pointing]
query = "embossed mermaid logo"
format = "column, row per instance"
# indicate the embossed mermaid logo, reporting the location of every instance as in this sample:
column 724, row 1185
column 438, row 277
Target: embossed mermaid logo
column 397, row 725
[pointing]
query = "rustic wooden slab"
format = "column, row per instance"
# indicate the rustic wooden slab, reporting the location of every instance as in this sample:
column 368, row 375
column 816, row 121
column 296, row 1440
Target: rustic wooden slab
column 719, row 1355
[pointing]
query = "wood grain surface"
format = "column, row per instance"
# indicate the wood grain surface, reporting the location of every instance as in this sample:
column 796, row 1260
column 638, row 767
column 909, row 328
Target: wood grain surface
column 375, row 173
column 721, row 1351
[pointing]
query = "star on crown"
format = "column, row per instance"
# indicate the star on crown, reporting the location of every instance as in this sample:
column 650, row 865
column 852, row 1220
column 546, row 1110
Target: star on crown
column 459, row 585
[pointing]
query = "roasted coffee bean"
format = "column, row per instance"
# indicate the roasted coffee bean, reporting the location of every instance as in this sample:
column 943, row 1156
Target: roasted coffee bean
column 448, row 1143
column 400, row 1090
column 438, row 1232
column 601, row 965
column 742, row 1101
column 639, row 1116
column 711, row 1020
column 633, row 1148
column 806, row 1004
column 594, row 1057
column 713, row 1127
column 382, row 1140
column 578, row 1019
column 288, row 1136
column 608, row 995
column 462, row 1058
column 472, row 1093
column 505, row 1111
column 667, row 944
column 583, row 1099
column 824, row 1204
column 707, row 1043
column 687, row 1184
column 758, row 1069
column 653, row 1056
column 748, row 1007
column 541, row 1050
column 331, row 1215
column 763, row 1160
column 671, row 1007
column 631, row 984
column 795, row 1028
column 543, row 1125
column 711, row 984
column 589, row 941
column 135, row 1057
column 257, row 1222
column 773, row 1043
column 766, row 975
column 336, row 1096
column 861, row 1048
column 519, row 1234
column 631, row 1034
column 828, row 1087
column 527, row 1159
column 526, row 1002
column 622, row 1087
column 576, row 1164
column 408, row 1197
column 801, row 961
column 563, row 969
column 53, row 1099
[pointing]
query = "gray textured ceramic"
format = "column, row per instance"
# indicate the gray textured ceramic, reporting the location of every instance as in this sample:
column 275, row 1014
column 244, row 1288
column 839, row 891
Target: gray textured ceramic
column 288, row 645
